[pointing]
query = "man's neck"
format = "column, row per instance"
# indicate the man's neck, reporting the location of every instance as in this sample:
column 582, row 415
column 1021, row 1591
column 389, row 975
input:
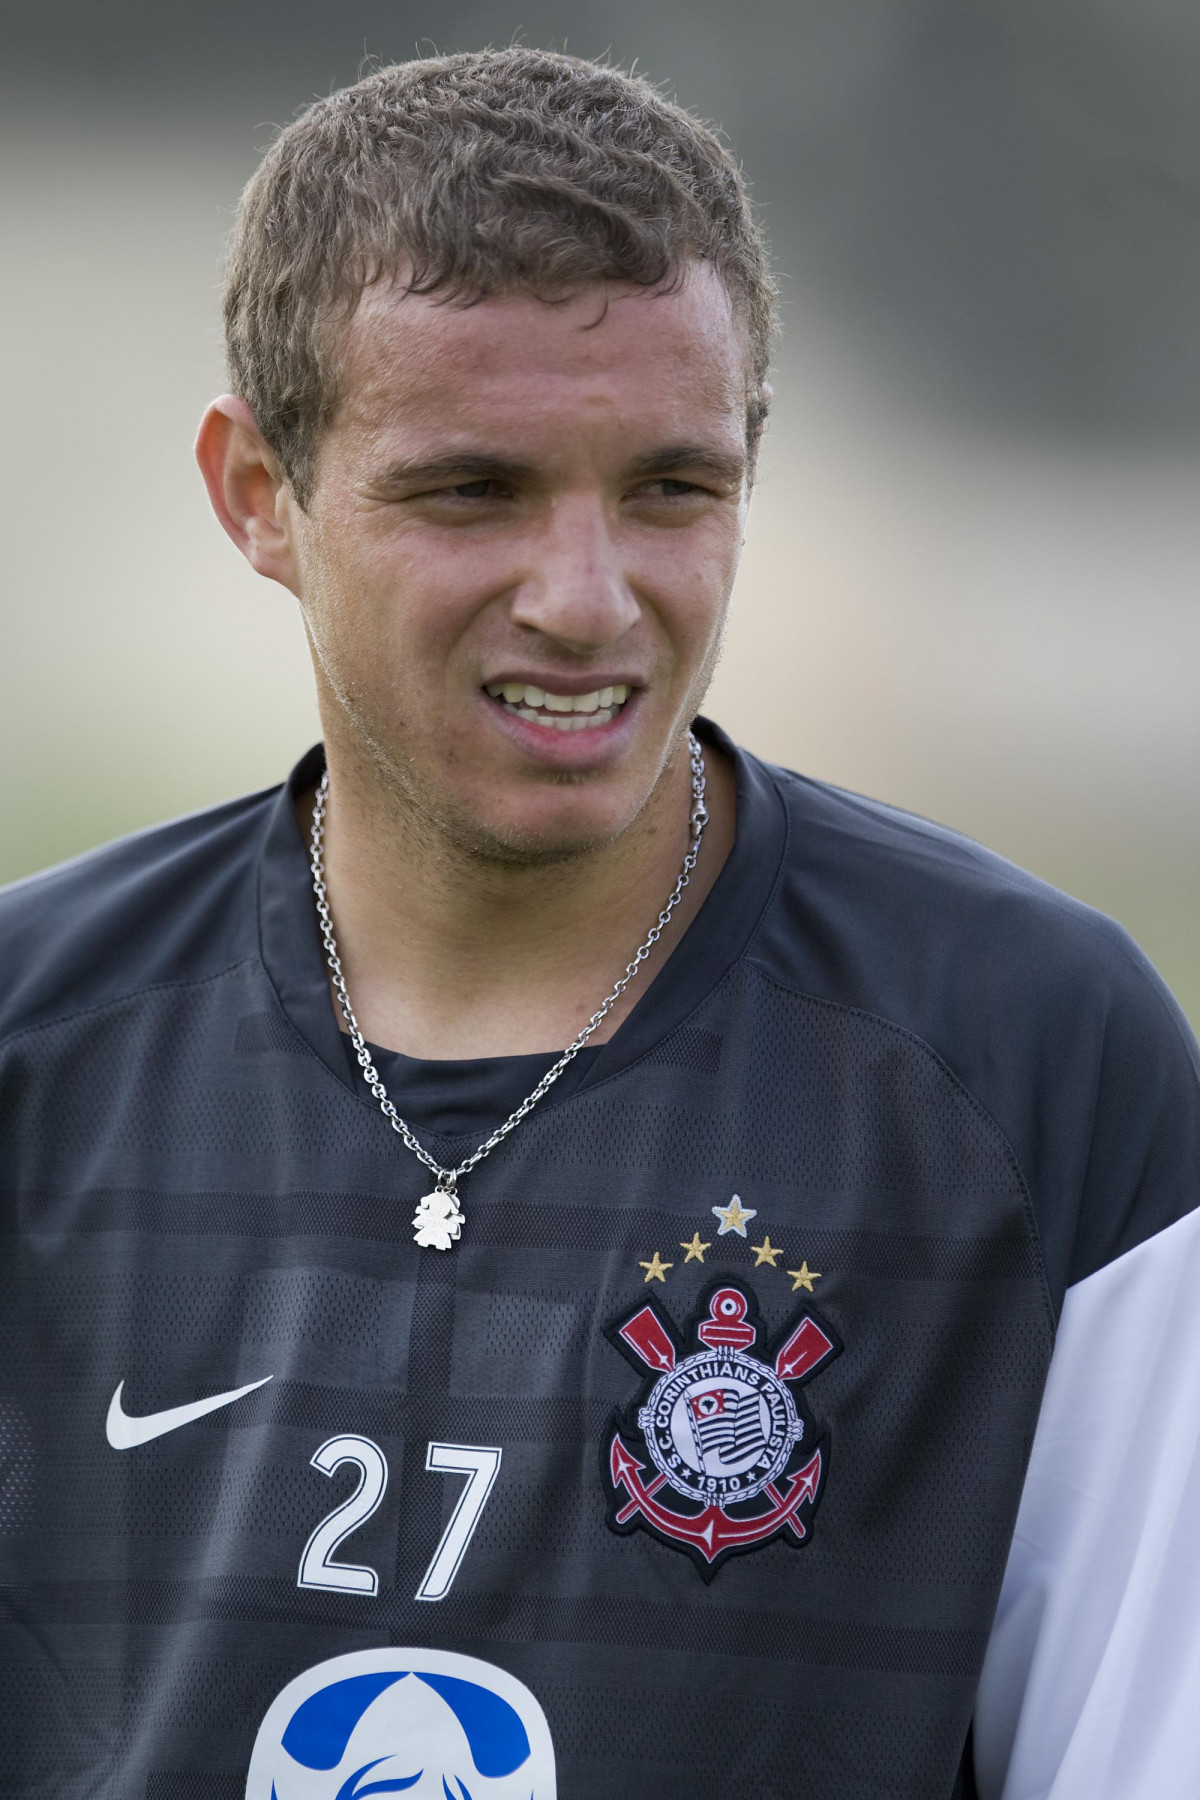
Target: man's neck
column 447, row 955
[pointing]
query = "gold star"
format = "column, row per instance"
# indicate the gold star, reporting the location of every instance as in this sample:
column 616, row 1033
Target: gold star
column 765, row 1252
column 734, row 1217
column 803, row 1277
column 656, row 1270
column 695, row 1250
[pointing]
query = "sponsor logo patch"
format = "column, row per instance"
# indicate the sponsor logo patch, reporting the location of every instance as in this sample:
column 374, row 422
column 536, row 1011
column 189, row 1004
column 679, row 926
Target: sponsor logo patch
column 723, row 1429
column 427, row 1723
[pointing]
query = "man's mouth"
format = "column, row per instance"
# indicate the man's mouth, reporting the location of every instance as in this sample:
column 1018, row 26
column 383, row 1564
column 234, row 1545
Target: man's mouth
column 559, row 712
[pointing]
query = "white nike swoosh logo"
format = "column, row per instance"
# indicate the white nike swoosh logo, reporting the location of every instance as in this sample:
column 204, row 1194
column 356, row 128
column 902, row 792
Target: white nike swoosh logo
column 123, row 1432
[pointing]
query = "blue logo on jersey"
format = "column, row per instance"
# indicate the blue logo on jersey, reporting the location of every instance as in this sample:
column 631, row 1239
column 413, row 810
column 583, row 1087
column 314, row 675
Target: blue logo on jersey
column 427, row 1723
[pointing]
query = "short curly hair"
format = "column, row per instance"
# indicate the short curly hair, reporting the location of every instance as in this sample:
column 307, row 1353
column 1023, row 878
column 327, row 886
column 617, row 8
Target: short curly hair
column 464, row 176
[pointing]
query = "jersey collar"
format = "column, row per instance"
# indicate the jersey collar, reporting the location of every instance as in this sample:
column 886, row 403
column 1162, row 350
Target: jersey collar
column 715, row 940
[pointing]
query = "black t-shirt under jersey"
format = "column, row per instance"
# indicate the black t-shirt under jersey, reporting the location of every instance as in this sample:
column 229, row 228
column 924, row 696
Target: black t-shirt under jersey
column 701, row 1452
column 467, row 1098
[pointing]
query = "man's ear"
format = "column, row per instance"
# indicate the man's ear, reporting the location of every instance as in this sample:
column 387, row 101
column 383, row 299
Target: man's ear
column 756, row 422
column 249, row 491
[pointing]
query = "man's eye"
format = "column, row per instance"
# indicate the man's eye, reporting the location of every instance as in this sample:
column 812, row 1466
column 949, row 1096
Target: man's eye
column 484, row 489
column 666, row 489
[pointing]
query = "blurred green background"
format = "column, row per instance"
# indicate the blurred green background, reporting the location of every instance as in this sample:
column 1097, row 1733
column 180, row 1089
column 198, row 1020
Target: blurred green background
column 971, row 581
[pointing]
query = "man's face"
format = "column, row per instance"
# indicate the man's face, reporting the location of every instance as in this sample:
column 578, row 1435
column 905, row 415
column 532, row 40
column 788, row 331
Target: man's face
column 517, row 559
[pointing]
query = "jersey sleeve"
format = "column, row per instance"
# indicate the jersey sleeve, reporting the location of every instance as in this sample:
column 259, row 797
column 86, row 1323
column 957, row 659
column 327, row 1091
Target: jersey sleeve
column 1091, row 1684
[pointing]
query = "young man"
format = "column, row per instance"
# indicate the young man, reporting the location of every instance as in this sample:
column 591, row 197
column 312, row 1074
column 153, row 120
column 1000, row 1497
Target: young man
column 391, row 1402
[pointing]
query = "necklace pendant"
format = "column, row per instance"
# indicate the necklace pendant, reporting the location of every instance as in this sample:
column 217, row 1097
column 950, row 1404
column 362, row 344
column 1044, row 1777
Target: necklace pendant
column 438, row 1220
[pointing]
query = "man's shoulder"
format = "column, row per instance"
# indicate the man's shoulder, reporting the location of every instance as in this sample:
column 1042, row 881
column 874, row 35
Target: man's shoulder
column 172, row 903
column 1045, row 1010
column 924, row 897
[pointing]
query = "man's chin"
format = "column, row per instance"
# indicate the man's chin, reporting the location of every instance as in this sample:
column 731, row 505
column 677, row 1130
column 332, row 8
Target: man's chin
column 529, row 844
column 507, row 818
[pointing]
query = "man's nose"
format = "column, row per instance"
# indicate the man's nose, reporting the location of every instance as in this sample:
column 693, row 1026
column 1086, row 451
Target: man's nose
column 576, row 588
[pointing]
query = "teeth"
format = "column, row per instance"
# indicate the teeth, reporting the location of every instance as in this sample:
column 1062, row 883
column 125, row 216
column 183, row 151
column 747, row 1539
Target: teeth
column 569, row 712
column 565, row 721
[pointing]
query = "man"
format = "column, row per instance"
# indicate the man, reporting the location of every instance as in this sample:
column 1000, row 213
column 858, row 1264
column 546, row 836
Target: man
column 535, row 1250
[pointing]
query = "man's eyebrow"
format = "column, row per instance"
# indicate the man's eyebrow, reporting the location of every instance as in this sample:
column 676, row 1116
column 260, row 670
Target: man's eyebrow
column 467, row 465
column 725, row 466
column 472, row 465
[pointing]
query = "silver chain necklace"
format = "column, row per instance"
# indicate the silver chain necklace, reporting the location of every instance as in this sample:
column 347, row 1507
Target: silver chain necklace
column 439, row 1219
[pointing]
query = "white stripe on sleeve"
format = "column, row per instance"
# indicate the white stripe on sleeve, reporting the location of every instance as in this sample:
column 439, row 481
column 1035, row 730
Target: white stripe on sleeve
column 1091, row 1684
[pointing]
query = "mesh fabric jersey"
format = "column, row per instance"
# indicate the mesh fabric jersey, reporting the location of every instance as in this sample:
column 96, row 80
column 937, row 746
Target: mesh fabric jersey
column 945, row 1097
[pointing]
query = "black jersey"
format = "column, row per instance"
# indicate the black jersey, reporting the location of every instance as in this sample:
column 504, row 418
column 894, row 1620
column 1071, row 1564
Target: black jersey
column 693, row 1470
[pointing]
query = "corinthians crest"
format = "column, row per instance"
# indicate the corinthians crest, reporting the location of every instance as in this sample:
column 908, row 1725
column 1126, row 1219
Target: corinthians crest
column 723, row 1429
